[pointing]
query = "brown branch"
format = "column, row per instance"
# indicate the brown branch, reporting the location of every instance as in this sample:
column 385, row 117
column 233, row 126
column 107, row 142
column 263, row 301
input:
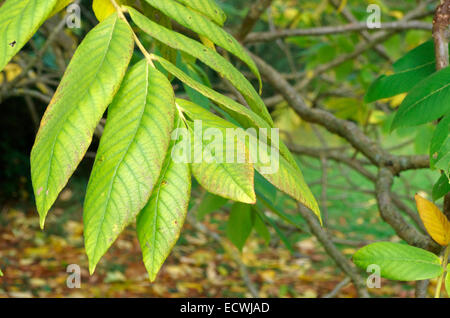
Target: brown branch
column 343, row 128
column 403, row 229
column 255, row 11
column 441, row 22
column 344, row 264
column 348, row 15
column 332, row 30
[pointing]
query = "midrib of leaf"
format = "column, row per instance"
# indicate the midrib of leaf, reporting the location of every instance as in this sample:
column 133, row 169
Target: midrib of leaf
column 399, row 259
column 67, row 115
column 138, row 126
column 415, row 68
column 155, row 219
column 408, row 109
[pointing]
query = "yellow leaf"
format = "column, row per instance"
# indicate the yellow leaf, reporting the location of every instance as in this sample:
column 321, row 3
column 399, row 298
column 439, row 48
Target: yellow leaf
column 397, row 100
column 342, row 5
column 396, row 14
column 12, row 70
column 61, row 4
column 102, row 9
column 436, row 223
column 207, row 42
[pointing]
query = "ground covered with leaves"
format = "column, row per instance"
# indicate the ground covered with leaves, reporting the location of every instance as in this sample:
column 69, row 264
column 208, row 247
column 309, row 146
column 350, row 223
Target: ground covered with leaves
column 34, row 262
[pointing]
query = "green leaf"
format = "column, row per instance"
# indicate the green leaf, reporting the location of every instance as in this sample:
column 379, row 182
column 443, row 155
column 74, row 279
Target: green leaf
column 427, row 101
column 278, row 231
column 259, row 226
column 246, row 117
column 129, row 158
column 440, row 146
column 417, row 57
column 208, row 8
column 197, row 74
column 87, row 87
column 201, row 25
column 416, row 65
column 163, row 20
column 441, row 187
column 389, row 86
column 240, row 224
column 19, row 20
column 160, row 222
column 206, row 55
column 1, row 273
column 399, row 261
column 447, row 281
column 210, row 151
column 209, row 204
column 286, row 178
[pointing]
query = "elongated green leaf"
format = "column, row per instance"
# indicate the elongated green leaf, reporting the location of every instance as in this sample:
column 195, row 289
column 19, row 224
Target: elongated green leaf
column 88, row 86
column 163, row 20
column 211, row 149
column 160, row 222
column 209, row 204
column 427, row 101
column 399, row 261
column 440, row 146
column 402, row 82
column 276, row 169
column 259, row 226
column 245, row 117
column 19, row 20
column 278, row 231
column 240, row 224
column 417, row 57
column 416, row 65
column 441, row 187
column 129, row 158
column 201, row 25
column 1, row 273
column 196, row 73
column 208, row 8
column 206, row 55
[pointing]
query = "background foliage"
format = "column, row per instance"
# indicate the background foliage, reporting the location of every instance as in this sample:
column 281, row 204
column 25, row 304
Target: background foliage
column 276, row 251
